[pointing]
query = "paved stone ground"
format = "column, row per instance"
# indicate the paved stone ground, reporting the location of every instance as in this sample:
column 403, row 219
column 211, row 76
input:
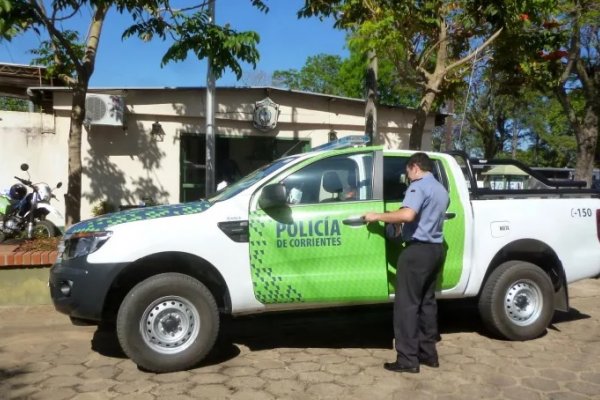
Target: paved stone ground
column 328, row 354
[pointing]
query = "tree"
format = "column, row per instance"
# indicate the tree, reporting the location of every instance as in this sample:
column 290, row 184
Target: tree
column 334, row 75
column 191, row 29
column 430, row 43
column 559, row 53
column 320, row 74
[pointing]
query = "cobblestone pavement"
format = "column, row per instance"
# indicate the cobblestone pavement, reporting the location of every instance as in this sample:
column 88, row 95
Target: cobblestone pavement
column 326, row 354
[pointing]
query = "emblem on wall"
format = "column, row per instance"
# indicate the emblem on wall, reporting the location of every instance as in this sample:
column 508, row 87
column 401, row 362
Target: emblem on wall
column 265, row 114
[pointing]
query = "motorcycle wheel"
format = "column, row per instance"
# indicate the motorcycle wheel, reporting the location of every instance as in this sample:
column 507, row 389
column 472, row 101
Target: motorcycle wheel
column 44, row 229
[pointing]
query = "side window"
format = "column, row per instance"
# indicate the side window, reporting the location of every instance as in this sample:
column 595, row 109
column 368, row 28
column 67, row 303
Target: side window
column 395, row 180
column 334, row 179
column 507, row 177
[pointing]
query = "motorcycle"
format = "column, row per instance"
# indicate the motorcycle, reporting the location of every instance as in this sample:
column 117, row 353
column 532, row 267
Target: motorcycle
column 26, row 212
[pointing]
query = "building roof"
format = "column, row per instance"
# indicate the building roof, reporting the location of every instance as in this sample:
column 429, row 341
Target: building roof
column 266, row 88
column 15, row 79
column 439, row 117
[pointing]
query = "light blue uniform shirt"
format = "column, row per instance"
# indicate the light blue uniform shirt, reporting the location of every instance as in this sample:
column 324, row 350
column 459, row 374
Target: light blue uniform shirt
column 429, row 199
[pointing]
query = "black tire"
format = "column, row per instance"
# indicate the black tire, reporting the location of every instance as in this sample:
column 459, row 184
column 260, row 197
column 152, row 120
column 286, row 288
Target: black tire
column 167, row 323
column 517, row 301
column 44, row 229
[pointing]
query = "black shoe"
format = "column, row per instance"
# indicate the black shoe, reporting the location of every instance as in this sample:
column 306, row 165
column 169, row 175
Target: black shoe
column 430, row 363
column 397, row 367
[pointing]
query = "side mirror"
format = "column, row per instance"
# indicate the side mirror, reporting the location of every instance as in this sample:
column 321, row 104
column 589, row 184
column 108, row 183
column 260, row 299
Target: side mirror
column 24, row 167
column 272, row 196
column 59, row 185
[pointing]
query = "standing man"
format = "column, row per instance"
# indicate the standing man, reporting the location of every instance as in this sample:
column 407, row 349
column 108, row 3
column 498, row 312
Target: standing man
column 415, row 308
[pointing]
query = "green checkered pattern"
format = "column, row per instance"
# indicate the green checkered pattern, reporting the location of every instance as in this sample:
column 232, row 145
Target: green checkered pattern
column 138, row 214
column 353, row 270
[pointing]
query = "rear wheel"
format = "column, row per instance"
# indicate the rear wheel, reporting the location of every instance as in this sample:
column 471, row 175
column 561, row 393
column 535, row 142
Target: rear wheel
column 517, row 301
column 168, row 323
column 44, row 229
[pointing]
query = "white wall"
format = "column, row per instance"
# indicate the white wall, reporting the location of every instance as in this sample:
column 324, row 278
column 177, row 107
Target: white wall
column 32, row 138
column 124, row 165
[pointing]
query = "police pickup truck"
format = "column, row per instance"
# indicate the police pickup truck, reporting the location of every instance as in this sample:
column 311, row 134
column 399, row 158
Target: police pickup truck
column 290, row 235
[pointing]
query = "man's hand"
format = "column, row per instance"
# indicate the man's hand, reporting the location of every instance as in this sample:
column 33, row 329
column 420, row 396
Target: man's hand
column 371, row 217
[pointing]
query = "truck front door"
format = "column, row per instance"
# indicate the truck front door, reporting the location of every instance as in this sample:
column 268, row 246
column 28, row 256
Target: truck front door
column 314, row 249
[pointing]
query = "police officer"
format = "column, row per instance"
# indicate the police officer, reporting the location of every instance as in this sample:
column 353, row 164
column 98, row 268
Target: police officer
column 415, row 308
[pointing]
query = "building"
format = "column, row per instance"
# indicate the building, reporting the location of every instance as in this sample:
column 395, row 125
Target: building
column 147, row 145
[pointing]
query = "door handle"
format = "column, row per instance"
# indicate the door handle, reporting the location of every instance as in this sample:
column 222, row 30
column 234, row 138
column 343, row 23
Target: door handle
column 450, row 215
column 354, row 221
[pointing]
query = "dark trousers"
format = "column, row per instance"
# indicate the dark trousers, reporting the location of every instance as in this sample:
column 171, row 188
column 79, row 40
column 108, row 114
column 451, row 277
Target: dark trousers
column 415, row 307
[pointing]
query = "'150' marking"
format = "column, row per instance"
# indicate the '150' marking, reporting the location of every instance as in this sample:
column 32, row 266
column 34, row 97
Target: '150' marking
column 581, row 212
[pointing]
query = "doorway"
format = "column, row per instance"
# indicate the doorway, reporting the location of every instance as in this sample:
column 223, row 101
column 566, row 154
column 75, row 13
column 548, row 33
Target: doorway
column 235, row 157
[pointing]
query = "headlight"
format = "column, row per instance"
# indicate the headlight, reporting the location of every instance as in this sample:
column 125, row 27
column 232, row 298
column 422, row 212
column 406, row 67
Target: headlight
column 83, row 243
column 44, row 192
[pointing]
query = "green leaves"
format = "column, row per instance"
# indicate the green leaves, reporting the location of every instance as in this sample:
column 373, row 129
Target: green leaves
column 54, row 56
column 192, row 31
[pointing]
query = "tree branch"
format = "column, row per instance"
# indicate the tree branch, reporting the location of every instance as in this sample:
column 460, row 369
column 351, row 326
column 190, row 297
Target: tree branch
column 67, row 79
column 573, row 53
column 473, row 53
column 57, row 34
column 93, row 40
column 563, row 98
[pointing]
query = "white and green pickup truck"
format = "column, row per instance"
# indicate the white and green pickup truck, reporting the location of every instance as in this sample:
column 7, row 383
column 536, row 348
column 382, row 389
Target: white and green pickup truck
column 290, row 236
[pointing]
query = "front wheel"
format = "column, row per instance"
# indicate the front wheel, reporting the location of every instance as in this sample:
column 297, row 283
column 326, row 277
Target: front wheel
column 167, row 323
column 516, row 302
column 44, row 229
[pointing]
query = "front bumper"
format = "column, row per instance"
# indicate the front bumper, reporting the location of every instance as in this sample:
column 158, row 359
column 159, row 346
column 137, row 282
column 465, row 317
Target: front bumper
column 84, row 287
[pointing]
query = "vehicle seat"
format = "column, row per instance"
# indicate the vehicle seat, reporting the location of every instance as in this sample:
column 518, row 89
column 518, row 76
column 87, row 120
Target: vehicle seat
column 332, row 184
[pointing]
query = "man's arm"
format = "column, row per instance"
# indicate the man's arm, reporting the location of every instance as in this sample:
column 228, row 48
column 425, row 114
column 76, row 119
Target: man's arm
column 395, row 217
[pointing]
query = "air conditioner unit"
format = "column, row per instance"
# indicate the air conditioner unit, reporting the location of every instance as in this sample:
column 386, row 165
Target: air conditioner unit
column 105, row 109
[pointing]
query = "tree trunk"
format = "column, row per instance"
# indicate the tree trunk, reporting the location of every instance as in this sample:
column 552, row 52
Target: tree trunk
column 587, row 137
column 418, row 126
column 371, row 96
column 515, row 139
column 73, row 196
column 84, row 73
column 449, row 128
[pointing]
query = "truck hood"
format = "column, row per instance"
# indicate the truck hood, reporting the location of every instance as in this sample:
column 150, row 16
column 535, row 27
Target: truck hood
column 138, row 214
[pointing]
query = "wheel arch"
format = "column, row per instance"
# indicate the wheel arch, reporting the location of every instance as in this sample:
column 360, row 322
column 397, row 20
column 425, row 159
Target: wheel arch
column 164, row 262
column 540, row 254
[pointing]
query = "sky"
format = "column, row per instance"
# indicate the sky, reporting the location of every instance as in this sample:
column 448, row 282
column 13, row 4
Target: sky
column 285, row 42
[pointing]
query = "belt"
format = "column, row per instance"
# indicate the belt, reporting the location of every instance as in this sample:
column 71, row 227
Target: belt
column 414, row 241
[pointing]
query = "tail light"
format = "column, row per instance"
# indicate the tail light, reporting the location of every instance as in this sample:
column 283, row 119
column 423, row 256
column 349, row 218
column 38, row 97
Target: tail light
column 598, row 223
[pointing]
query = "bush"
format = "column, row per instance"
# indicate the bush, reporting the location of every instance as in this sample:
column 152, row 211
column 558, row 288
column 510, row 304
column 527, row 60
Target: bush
column 103, row 207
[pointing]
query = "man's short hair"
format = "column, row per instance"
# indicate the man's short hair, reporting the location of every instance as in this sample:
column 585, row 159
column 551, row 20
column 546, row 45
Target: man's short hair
column 422, row 160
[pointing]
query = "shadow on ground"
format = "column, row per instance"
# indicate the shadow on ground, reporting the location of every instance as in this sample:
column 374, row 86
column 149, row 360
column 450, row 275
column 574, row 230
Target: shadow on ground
column 347, row 327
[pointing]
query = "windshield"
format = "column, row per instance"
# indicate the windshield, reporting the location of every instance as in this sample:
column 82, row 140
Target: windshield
column 250, row 179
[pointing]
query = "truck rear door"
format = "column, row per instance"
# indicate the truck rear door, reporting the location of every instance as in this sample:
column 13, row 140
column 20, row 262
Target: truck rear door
column 395, row 184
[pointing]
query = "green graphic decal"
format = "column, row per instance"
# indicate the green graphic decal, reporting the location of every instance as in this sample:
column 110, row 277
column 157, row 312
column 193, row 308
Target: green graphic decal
column 307, row 254
column 454, row 235
column 138, row 214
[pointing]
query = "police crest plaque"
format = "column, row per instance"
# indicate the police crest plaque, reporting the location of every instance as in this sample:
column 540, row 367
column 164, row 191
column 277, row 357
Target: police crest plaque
column 265, row 114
